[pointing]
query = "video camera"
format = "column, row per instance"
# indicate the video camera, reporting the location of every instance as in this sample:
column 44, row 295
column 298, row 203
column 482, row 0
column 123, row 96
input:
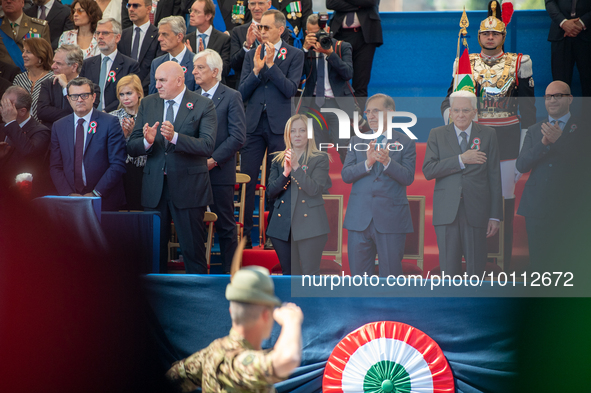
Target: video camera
column 324, row 38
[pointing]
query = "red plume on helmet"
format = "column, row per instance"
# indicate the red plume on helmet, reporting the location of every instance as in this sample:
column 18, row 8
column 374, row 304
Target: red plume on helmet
column 507, row 12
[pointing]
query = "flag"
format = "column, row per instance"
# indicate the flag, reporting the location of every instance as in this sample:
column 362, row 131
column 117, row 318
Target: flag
column 463, row 79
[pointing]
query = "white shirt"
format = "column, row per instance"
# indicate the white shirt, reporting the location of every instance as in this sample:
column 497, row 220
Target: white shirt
column 328, row 93
column 179, row 57
column 211, row 91
column 109, row 63
column 175, row 108
column 205, row 41
column 85, row 126
column 143, row 31
column 356, row 22
column 47, row 7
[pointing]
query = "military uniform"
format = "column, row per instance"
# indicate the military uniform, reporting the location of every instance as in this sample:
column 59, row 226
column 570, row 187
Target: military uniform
column 505, row 87
column 229, row 364
column 296, row 13
column 27, row 28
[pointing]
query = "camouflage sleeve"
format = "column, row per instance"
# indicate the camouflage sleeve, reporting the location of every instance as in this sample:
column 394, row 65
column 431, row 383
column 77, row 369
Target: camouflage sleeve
column 253, row 370
column 185, row 375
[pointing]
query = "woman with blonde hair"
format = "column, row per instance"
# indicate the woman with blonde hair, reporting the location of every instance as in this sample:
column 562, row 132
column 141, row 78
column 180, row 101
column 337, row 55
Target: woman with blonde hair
column 38, row 57
column 299, row 226
column 130, row 93
column 85, row 14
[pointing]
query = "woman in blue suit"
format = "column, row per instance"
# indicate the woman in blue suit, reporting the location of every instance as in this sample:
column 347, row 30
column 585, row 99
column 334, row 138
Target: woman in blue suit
column 299, row 226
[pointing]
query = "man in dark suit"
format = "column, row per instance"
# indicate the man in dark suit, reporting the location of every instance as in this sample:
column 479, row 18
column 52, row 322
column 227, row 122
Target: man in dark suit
column 171, row 34
column 463, row 157
column 226, row 9
column 176, row 129
column 202, row 14
column 556, row 194
column 159, row 10
column 57, row 16
column 8, row 71
column 231, row 135
column 335, row 65
column 571, row 40
column 297, row 13
column 23, row 141
column 88, row 150
column 140, row 41
column 378, row 216
column 247, row 37
column 270, row 79
column 362, row 28
column 53, row 103
column 110, row 66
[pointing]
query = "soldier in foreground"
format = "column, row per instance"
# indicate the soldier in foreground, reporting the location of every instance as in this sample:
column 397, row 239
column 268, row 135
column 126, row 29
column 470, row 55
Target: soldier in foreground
column 236, row 363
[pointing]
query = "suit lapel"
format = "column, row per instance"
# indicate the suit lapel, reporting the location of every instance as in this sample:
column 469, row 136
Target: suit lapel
column 476, row 133
column 90, row 134
column 148, row 38
column 117, row 65
column 69, row 134
column 219, row 95
column 452, row 138
column 52, row 13
column 183, row 112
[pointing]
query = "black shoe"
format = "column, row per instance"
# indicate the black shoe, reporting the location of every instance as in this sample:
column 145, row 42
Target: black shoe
column 269, row 245
column 248, row 245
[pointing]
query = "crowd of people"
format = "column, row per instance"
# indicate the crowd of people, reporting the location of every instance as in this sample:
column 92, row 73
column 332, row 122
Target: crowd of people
column 118, row 100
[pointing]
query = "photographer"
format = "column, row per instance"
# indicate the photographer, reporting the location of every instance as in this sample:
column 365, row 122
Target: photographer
column 328, row 67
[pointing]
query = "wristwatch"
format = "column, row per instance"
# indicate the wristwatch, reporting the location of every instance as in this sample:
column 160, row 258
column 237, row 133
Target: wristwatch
column 246, row 47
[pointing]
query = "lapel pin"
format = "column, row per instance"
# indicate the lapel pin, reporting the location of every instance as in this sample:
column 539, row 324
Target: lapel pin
column 92, row 127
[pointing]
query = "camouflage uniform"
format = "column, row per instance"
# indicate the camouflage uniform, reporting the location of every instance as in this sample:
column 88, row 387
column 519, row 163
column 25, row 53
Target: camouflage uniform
column 228, row 365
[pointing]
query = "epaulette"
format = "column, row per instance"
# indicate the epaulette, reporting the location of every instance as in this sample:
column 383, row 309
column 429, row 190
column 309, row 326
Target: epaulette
column 40, row 21
column 526, row 68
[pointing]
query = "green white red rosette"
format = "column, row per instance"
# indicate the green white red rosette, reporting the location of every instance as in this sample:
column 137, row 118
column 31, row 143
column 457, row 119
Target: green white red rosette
column 190, row 105
column 111, row 77
column 184, row 69
column 282, row 53
column 388, row 357
column 475, row 144
column 92, row 127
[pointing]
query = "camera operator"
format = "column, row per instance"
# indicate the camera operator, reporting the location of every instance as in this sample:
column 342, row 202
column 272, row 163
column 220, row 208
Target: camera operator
column 328, row 67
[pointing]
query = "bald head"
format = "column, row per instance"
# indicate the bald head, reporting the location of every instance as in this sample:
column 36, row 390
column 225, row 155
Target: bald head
column 170, row 80
column 558, row 99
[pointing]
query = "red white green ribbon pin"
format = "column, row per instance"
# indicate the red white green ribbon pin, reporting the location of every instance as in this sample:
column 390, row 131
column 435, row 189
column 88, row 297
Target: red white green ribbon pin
column 111, row 77
column 184, row 69
column 475, row 144
column 573, row 128
column 387, row 357
column 190, row 105
column 92, row 127
column 282, row 53
column 396, row 146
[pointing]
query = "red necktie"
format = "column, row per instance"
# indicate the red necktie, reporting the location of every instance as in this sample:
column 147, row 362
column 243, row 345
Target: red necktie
column 79, row 156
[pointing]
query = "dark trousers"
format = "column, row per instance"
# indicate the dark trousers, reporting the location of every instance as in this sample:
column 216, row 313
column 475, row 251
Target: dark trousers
column 300, row 257
column 225, row 226
column 190, row 230
column 251, row 159
column 362, row 61
column 460, row 238
column 132, row 183
column 565, row 54
column 364, row 245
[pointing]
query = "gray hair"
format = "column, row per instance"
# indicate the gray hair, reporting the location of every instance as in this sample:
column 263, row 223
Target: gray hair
column 279, row 17
column 464, row 94
column 74, row 55
column 23, row 97
column 312, row 20
column 388, row 101
column 213, row 60
column 176, row 23
column 246, row 313
column 116, row 25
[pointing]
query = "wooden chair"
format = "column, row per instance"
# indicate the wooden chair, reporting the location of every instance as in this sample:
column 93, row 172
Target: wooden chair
column 414, row 248
column 260, row 191
column 209, row 218
column 240, row 189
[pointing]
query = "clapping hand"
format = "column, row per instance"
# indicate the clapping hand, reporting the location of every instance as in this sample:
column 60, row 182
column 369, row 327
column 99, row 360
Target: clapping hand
column 258, row 62
column 287, row 163
column 551, row 133
column 150, row 132
column 167, row 130
column 270, row 54
column 127, row 126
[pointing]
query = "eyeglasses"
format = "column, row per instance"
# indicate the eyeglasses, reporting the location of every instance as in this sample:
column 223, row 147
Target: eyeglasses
column 134, row 6
column 75, row 97
column 263, row 27
column 79, row 11
column 464, row 111
column 548, row 97
column 105, row 33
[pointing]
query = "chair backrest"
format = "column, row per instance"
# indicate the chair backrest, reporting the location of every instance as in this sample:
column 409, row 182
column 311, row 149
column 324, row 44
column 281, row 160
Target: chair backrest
column 334, row 211
column 414, row 248
column 241, row 180
column 209, row 218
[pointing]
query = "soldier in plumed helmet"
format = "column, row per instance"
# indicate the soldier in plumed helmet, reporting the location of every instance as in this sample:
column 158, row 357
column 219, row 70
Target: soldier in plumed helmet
column 505, row 89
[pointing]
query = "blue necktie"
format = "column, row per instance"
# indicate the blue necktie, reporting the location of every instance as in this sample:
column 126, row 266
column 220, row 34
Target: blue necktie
column 136, row 44
column 320, row 82
column 102, row 79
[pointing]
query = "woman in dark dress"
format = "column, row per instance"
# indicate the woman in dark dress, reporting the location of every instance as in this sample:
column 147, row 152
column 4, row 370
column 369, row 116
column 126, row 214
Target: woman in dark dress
column 130, row 93
column 299, row 226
